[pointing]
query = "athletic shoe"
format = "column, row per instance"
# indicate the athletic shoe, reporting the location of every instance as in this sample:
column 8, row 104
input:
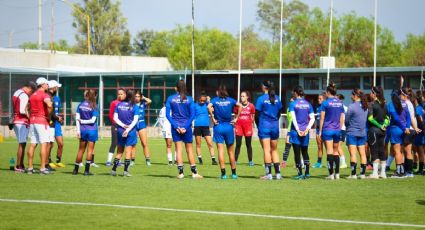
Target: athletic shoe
column 113, row 173
column 362, row 176
column 19, row 170
column 409, row 175
column 398, row 176
column 108, row 164
column 170, row 163
column 44, row 172
column 234, row 176
column 94, row 165
column 74, row 172
column 330, row 177
column 81, row 164
column 352, row 177
column 337, row 176
column 383, row 176
column 283, row 164
column 307, row 176
column 278, row 176
column 88, row 174
column 299, row 177
column 180, row 176
column 317, row 165
column 148, row 162
column 267, row 177
column 251, row 163
column 197, row 176
column 214, row 162
column 373, row 176
column 30, row 171
column 223, row 177
column 60, row 165
column 126, row 174
column 50, row 168
column 132, row 163
column 52, row 165
column 343, row 165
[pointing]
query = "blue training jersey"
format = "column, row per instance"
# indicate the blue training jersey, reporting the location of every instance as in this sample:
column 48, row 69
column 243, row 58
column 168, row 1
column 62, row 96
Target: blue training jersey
column 202, row 117
column 302, row 110
column 401, row 120
column 333, row 108
column 269, row 113
column 180, row 113
column 318, row 111
column 419, row 112
column 86, row 113
column 57, row 105
column 223, row 108
column 126, row 112
column 142, row 106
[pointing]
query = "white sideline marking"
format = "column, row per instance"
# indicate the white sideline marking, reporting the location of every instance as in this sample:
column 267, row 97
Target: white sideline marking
column 216, row 213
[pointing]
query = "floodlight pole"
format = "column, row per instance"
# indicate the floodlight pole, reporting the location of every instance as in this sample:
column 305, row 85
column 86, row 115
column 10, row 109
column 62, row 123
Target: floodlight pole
column 280, row 48
column 374, row 43
column 193, row 49
column 330, row 42
column 240, row 48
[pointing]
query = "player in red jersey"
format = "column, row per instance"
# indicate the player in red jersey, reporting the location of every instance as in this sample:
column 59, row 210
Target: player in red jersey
column 243, row 126
column 120, row 97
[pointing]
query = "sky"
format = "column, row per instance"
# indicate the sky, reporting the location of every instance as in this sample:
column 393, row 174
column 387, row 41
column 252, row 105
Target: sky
column 19, row 18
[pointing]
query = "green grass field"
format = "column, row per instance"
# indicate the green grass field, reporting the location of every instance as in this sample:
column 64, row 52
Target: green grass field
column 389, row 201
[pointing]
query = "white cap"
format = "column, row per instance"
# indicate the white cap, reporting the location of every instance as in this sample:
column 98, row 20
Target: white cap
column 53, row 84
column 41, row 81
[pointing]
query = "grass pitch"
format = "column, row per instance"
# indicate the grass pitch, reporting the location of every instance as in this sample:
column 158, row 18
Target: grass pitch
column 388, row 201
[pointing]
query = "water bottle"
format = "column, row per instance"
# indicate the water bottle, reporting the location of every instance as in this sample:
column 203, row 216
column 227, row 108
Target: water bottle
column 12, row 164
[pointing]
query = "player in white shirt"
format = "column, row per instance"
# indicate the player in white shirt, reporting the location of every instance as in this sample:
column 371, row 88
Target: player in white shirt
column 166, row 133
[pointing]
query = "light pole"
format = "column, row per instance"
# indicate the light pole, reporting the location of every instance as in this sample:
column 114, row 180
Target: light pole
column 88, row 22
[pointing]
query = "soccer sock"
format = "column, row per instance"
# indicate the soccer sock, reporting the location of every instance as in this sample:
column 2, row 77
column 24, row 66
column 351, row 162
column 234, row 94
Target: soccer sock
column 213, row 158
column 409, row 165
column 319, row 160
column 337, row 162
column 276, row 168
column 307, row 166
column 110, row 155
column 76, row 166
column 248, row 147
column 116, row 162
column 299, row 169
column 421, row 167
column 58, row 159
column 268, row 168
column 126, row 164
column 223, row 171
column 375, row 168
column 234, row 171
column 383, row 166
column 363, row 169
column 329, row 158
column 342, row 159
column 87, row 167
column 286, row 152
column 200, row 159
column 180, row 169
column 398, row 169
column 193, row 169
column 169, row 157
column 353, row 168
column 148, row 159
column 390, row 160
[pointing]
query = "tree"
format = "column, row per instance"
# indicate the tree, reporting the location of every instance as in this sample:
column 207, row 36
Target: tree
column 414, row 50
column 254, row 49
column 108, row 32
column 29, row 45
column 143, row 42
column 61, row 45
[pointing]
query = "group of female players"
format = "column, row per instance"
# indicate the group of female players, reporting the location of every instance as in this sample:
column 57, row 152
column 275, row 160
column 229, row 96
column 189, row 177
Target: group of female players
column 369, row 123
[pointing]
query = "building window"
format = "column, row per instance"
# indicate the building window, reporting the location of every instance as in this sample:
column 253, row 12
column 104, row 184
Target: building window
column 311, row 83
column 391, row 82
column 368, row 81
column 344, row 82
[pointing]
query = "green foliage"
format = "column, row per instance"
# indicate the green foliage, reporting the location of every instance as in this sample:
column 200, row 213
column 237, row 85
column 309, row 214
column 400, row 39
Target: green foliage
column 29, row 45
column 109, row 35
column 414, row 50
column 254, row 49
column 61, row 45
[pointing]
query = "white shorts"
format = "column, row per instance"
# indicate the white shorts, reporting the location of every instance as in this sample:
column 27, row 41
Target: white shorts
column 51, row 134
column 39, row 133
column 166, row 134
column 21, row 132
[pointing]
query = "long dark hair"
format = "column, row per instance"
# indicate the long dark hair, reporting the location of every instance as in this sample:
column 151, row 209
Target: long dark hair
column 90, row 96
column 299, row 91
column 396, row 101
column 181, row 89
column 362, row 96
column 222, row 91
column 130, row 96
column 379, row 92
column 270, row 87
column 331, row 88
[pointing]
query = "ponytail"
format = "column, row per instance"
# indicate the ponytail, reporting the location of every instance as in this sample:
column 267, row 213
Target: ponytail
column 181, row 89
column 362, row 96
column 222, row 91
column 272, row 95
column 299, row 91
column 90, row 96
column 379, row 92
column 396, row 101
column 331, row 88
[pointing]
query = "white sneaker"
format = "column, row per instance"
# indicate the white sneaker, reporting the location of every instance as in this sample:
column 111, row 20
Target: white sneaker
column 278, row 176
column 352, row 177
column 180, row 176
column 126, row 174
column 81, row 164
column 337, row 176
column 94, row 165
column 267, row 177
column 373, row 176
column 383, row 175
column 197, row 176
column 330, row 177
column 362, row 176
column 343, row 165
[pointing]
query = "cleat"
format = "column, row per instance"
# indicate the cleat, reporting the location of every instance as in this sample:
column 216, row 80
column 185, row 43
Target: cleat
column 108, row 164
column 234, row 176
column 50, row 168
column 74, row 172
column 267, row 177
column 397, row 176
column 352, row 177
column 53, row 165
column 383, row 175
column 337, row 176
column 223, row 177
column 88, row 174
column 197, row 176
column 214, row 162
column 30, row 171
column 60, row 165
column 148, row 162
column 283, row 164
column 299, row 177
column 113, row 173
column 317, row 165
column 343, row 165
column 251, row 163
column 94, row 165
column 409, row 175
column 126, row 174
column 19, row 170
column 307, row 176
column 180, row 176
column 132, row 163
column 362, row 176
column 330, row 177
column 44, row 172
column 170, row 163
column 278, row 176
column 373, row 176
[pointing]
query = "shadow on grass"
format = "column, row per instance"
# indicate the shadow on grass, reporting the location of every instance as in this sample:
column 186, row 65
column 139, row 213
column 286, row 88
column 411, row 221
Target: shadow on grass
column 162, row 176
column 420, row 202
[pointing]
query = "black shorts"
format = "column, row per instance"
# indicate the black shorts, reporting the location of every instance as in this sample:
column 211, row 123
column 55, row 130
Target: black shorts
column 409, row 138
column 203, row 131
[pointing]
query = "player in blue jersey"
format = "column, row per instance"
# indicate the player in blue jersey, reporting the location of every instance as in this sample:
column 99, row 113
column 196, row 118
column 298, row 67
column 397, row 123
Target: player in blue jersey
column 180, row 112
column 87, row 130
column 420, row 138
column 221, row 108
column 126, row 116
column 320, row 99
column 268, row 108
column 331, row 121
column 142, row 102
column 302, row 115
column 356, row 121
column 58, row 127
column 202, row 127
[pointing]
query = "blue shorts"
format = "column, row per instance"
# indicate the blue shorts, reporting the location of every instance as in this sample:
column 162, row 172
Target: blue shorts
column 224, row 133
column 329, row 135
column 58, row 129
column 89, row 135
column 419, row 140
column 130, row 140
column 140, row 125
column 295, row 139
column 186, row 137
column 396, row 135
column 270, row 133
column 356, row 141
